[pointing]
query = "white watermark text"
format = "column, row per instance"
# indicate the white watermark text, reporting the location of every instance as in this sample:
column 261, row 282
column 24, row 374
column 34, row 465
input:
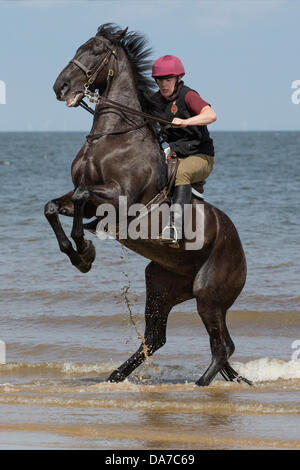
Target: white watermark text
column 2, row 352
column 2, row 92
column 295, row 345
column 296, row 94
column 140, row 222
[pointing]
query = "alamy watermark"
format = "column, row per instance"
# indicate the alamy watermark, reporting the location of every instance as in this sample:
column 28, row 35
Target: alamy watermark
column 296, row 94
column 2, row 92
column 2, row 352
column 295, row 345
column 139, row 222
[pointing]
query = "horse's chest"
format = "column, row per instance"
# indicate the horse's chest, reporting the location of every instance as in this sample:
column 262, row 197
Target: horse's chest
column 85, row 172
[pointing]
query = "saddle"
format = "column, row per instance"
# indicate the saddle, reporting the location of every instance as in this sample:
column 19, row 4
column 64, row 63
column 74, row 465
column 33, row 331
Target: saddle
column 166, row 192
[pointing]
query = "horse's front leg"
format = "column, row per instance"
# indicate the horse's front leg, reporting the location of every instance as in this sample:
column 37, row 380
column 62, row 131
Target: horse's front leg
column 94, row 196
column 64, row 205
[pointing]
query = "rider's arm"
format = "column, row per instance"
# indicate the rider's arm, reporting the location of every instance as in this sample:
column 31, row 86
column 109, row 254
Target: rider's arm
column 202, row 113
column 207, row 116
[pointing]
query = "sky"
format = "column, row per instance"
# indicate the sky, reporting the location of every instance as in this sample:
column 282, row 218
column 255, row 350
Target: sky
column 241, row 56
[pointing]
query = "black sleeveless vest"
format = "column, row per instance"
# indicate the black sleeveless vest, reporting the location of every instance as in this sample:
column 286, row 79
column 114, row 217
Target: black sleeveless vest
column 187, row 140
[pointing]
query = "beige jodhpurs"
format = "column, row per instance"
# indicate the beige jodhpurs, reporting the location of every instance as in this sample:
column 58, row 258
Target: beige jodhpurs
column 194, row 168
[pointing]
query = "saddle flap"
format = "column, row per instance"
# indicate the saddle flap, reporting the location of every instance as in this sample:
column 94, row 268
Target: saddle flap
column 172, row 165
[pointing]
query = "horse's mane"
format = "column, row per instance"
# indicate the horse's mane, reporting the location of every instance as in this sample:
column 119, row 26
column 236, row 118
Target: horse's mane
column 136, row 47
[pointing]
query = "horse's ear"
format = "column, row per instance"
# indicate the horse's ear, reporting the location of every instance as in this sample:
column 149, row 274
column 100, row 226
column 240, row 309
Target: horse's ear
column 122, row 34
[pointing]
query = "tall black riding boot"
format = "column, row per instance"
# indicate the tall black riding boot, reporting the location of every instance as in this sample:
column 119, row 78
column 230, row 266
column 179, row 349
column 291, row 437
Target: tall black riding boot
column 172, row 234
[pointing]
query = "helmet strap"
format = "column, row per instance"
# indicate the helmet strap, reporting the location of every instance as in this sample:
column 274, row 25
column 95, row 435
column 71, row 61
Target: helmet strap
column 176, row 85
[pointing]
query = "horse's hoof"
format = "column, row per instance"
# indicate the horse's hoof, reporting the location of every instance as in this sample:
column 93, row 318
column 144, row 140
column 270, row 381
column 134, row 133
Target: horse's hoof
column 89, row 254
column 83, row 267
column 116, row 376
column 202, row 382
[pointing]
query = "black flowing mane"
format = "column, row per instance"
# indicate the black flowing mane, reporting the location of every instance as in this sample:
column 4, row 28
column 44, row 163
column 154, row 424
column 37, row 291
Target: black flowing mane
column 137, row 50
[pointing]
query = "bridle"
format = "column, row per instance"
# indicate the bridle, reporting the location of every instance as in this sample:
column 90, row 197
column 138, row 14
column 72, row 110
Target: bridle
column 92, row 74
column 96, row 98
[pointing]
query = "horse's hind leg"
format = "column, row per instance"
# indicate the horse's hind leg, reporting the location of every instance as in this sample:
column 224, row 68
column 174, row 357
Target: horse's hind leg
column 221, row 344
column 164, row 290
column 231, row 375
column 53, row 208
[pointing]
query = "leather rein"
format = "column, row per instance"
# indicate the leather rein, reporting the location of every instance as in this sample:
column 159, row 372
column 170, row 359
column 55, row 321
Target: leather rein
column 91, row 75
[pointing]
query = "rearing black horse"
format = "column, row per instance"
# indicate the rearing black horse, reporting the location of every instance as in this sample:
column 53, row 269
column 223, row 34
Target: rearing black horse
column 122, row 157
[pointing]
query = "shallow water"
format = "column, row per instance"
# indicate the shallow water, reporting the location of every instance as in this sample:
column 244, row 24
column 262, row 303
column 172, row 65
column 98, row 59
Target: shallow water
column 68, row 407
column 65, row 332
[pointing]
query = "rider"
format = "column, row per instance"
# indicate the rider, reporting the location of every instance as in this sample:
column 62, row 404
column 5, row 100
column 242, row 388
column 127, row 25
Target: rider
column 188, row 138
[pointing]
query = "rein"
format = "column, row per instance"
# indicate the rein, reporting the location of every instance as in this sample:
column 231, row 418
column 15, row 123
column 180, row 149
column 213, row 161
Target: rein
column 96, row 98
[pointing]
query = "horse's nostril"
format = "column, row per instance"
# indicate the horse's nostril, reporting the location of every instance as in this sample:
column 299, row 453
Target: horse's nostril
column 64, row 88
column 61, row 89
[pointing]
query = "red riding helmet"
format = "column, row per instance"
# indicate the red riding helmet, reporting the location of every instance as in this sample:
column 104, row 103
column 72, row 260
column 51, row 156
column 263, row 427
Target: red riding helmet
column 168, row 66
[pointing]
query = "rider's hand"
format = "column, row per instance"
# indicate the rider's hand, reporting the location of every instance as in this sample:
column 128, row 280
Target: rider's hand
column 179, row 122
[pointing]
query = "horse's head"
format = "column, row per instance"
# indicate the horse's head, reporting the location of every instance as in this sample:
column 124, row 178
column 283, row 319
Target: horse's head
column 111, row 50
column 89, row 67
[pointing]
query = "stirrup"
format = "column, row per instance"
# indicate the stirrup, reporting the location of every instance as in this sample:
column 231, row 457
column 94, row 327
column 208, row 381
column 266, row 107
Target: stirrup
column 170, row 238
